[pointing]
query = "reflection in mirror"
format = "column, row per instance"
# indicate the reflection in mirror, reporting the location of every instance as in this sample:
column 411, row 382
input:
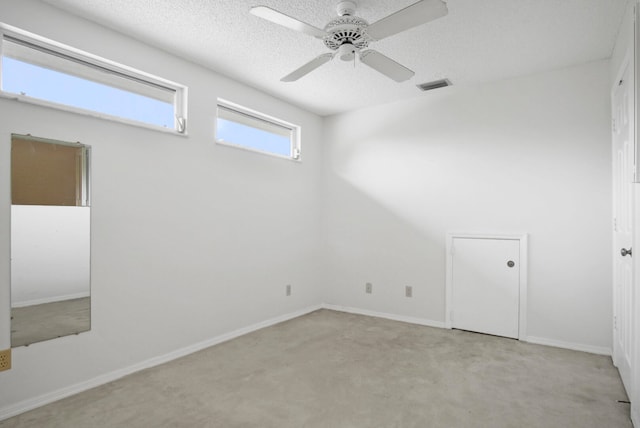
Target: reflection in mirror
column 50, row 239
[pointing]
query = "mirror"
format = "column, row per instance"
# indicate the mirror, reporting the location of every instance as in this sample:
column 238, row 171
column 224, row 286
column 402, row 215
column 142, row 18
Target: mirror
column 50, row 239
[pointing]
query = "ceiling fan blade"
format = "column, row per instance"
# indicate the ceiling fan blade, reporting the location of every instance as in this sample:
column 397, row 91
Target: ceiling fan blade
column 411, row 16
column 280, row 18
column 308, row 67
column 386, row 65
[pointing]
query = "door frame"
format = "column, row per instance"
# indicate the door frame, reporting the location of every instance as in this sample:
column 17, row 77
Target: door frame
column 522, row 306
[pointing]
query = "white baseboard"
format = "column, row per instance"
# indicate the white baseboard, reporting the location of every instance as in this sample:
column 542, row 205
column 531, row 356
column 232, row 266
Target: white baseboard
column 394, row 317
column 49, row 300
column 600, row 350
column 26, row 405
column 441, row 324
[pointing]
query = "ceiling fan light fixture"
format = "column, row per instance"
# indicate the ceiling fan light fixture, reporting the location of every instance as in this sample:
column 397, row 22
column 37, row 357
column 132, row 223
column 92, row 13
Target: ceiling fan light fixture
column 347, row 52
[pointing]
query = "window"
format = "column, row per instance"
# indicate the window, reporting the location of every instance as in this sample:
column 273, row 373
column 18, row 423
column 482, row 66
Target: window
column 38, row 70
column 240, row 127
column 49, row 172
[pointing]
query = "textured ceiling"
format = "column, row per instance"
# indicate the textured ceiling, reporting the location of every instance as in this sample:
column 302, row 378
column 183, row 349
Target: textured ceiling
column 478, row 41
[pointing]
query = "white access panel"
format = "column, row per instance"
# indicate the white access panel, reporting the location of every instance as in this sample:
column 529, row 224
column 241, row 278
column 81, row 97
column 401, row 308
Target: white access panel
column 485, row 285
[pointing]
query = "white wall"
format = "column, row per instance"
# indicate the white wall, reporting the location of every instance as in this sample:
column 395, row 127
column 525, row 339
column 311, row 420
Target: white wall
column 50, row 249
column 528, row 155
column 190, row 240
column 623, row 41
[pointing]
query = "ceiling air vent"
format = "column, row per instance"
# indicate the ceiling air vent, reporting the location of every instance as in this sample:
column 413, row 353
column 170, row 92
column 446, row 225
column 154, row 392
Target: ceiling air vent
column 434, row 85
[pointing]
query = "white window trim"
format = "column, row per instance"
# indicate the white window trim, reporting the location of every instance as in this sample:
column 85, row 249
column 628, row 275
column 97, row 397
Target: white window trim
column 180, row 97
column 295, row 139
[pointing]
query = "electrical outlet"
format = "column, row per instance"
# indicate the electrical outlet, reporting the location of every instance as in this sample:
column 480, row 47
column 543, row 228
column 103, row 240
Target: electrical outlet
column 408, row 291
column 5, row 359
column 368, row 288
column 288, row 291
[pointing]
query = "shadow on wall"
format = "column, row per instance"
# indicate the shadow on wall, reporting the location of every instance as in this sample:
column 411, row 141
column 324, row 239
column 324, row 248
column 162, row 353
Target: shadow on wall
column 368, row 242
column 524, row 156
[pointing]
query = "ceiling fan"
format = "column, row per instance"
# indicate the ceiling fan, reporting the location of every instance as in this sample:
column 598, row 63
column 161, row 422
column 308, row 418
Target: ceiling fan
column 348, row 35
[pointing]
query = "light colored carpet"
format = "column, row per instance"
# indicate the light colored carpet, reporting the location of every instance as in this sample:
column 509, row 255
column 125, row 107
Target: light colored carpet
column 331, row 369
column 31, row 324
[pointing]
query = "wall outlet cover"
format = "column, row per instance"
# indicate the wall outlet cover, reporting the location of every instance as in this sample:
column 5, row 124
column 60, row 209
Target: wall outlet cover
column 5, row 360
column 368, row 288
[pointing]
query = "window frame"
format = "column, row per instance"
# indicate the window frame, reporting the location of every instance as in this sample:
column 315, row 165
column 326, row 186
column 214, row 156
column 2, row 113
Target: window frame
column 294, row 140
column 70, row 53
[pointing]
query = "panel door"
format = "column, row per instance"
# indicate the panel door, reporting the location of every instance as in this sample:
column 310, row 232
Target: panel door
column 486, row 285
column 623, row 176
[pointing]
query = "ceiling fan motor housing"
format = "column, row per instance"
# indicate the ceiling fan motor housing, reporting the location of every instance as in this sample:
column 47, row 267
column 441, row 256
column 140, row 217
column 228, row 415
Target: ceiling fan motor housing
column 346, row 30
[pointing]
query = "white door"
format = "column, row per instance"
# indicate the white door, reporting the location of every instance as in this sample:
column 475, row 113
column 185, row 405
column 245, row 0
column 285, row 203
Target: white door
column 623, row 176
column 485, row 288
